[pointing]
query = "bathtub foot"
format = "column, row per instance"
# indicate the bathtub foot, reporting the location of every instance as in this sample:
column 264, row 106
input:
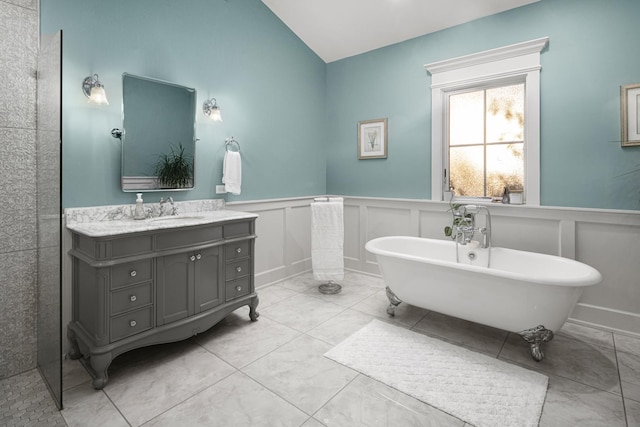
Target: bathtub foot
column 535, row 337
column 394, row 301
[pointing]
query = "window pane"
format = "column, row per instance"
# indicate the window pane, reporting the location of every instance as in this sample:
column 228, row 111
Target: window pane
column 467, row 170
column 505, row 168
column 505, row 113
column 466, row 118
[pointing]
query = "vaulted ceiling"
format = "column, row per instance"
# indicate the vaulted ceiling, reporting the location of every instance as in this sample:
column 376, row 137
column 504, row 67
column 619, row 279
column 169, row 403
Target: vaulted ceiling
column 336, row 29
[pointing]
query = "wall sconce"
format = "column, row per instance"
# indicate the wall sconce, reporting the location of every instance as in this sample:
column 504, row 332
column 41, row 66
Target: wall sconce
column 211, row 110
column 94, row 90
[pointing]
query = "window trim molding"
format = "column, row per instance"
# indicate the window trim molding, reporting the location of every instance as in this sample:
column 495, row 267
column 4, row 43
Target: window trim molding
column 516, row 60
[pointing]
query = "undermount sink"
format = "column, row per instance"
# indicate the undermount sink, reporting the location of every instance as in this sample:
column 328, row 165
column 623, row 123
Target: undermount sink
column 176, row 218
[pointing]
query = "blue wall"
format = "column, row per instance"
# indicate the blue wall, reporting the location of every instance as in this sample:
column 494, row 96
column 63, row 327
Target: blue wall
column 273, row 91
column 270, row 86
column 592, row 51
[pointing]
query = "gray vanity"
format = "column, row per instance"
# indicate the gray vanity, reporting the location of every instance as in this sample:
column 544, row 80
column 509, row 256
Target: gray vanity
column 139, row 283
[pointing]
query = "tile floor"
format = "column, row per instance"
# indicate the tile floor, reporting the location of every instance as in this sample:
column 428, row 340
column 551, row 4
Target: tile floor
column 273, row 373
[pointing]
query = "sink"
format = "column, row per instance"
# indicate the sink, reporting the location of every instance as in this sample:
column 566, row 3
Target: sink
column 175, row 218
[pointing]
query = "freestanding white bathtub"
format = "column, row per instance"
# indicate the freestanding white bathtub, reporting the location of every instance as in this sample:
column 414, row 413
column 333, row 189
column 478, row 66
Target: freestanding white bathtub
column 528, row 293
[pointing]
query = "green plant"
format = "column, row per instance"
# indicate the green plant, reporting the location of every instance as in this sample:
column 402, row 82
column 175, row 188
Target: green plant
column 456, row 219
column 175, row 169
column 448, row 230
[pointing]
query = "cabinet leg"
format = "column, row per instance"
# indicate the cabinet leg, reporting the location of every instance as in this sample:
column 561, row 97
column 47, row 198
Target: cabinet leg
column 99, row 364
column 253, row 305
column 74, row 352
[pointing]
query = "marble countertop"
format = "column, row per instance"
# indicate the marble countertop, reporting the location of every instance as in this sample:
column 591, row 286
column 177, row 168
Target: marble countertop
column 127, row 225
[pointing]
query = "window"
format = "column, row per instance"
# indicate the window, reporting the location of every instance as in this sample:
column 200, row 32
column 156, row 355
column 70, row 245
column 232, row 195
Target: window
column 485, row 144
column 486, row 122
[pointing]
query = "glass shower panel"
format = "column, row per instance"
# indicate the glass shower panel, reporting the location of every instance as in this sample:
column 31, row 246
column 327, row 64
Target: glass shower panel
column 49, row 212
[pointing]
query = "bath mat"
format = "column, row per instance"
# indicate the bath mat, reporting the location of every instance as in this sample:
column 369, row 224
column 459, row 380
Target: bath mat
column 473, row 387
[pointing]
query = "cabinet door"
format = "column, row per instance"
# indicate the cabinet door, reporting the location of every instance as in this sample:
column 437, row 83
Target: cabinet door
column 174, row 287
column 208, row 267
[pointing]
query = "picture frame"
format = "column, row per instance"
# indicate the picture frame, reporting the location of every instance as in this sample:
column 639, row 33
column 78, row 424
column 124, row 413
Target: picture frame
column 630, row 114
column 372, row 139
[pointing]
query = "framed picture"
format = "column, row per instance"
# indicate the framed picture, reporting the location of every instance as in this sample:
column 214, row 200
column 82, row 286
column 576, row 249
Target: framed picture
column 372, row 139
column 630, row 110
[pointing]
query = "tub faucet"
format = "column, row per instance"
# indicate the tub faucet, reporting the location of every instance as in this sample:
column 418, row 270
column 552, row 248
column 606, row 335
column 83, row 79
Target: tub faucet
column 174, row 211
column 466, row 227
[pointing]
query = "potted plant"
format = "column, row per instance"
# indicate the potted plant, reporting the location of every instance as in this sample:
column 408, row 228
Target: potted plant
column 175, row 169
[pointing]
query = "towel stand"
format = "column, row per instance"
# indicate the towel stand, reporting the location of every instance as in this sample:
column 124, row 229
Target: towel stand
column 231, row 142
column 330, row 287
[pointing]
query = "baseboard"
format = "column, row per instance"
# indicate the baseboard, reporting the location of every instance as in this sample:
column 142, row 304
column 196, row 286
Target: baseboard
column 607, row 319
column 278, row 274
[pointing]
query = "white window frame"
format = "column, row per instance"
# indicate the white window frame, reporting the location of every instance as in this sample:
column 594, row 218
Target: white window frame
column 518, row 61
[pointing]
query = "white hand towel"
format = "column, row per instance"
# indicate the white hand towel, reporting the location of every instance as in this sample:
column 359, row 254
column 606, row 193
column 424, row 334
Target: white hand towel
column 327, row 240
column 232, row 172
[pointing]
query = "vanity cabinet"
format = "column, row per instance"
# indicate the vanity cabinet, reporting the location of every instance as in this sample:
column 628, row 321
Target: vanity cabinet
column 156, row 286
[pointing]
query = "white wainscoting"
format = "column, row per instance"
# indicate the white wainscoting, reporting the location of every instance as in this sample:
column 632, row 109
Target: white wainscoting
column 606, row 239
column 283, row 246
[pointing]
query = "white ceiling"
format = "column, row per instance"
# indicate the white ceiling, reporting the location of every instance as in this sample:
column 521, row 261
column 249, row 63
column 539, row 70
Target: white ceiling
column 336, row 29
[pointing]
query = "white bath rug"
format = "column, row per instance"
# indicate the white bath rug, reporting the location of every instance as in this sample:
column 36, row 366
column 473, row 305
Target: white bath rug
column 478, row 389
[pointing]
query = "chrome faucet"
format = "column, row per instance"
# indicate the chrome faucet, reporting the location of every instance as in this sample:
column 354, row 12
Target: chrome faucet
column 174, row 210
column 465, row 219
column 465, row 227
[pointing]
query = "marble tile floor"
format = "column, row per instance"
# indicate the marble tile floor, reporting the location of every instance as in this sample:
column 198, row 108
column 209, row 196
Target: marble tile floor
column 273, row 373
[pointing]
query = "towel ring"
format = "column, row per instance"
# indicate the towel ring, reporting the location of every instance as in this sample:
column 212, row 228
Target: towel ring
column 230, row 142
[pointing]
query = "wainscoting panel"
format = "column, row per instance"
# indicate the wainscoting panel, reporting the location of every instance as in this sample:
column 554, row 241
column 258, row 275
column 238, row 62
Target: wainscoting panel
column 432, row 223
column 270, row 244
column 298, row 234
column 352, row 248
column 526, row 234
column 283, row 246
column 614, row 250
column 386, row 221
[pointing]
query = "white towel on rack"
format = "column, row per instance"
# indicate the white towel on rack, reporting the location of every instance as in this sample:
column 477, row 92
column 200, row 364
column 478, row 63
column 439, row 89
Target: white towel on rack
column 327, row 240
column 232, row 172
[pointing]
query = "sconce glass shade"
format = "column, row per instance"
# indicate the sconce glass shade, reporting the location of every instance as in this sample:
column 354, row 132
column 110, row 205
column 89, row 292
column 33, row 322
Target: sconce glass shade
column 94, row 91
column 211, row 110
column 98, row 96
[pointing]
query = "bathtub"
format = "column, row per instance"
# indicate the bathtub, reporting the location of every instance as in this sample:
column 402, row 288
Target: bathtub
column 527, row 293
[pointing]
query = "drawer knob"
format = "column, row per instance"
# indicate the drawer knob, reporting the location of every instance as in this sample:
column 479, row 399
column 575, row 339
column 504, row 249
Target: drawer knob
column 133, row 323
column 192, row 257
column 133, row 298
column 238, row 288
column 133, row 273
column 238, row 250
column 198, row 256
column 238, row 269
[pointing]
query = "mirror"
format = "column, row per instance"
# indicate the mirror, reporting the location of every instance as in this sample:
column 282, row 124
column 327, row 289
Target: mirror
column 158, row 139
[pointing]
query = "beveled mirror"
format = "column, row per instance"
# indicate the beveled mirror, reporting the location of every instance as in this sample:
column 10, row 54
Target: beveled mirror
column 158, row 135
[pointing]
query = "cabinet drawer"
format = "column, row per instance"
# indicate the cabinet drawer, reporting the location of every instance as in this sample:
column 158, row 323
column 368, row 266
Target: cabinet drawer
column 237, row 229
column 131, row 323
column 130, row 273
column 128, row 246
column 237, row 250
column 237, row 288
column 237, row 269
column 188, row 237
column 131, row 298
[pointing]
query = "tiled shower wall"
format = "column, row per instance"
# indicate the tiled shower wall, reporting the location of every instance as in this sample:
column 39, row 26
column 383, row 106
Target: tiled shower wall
column 18, row 57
